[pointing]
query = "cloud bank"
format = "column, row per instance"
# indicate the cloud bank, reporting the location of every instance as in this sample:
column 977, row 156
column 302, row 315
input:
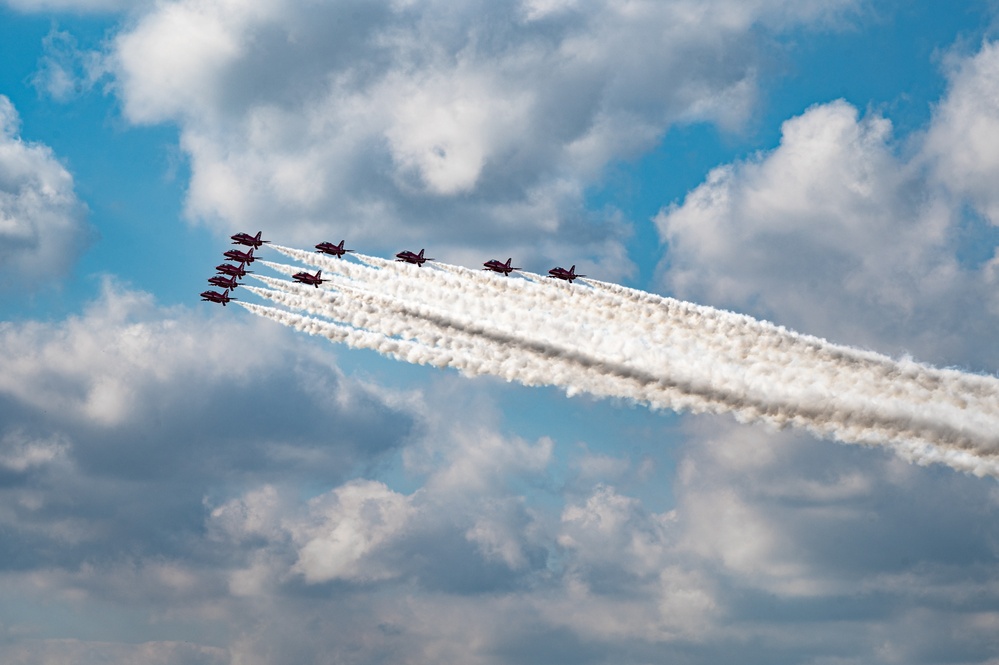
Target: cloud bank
column 481, row 123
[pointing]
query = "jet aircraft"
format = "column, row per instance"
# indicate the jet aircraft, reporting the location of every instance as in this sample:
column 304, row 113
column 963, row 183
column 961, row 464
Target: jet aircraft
column 236, row 255
column 331, row 249
column 410, row 257
column 248, row 240
column 226, row 282
column 561, row 273
column 234, row 271
column 498, row 266
column 215, row 296
column 306, row 278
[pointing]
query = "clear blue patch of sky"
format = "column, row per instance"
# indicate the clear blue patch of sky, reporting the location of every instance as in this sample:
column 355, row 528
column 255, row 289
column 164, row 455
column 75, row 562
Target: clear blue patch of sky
column 886, row 60
column 132, row 180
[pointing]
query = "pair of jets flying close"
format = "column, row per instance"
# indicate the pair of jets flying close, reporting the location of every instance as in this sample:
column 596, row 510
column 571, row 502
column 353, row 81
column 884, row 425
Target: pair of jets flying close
column 228, row 273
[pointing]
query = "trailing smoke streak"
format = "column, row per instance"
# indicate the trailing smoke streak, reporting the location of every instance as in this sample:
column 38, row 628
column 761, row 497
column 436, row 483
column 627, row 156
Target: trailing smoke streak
column 710, row 360
column 660, row 324
column 809, row 380
column 525, row 366
column 471, row 364
column 733, row 342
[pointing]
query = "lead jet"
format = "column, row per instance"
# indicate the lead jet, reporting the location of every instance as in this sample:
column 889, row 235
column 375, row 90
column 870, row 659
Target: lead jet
column 331, row 249
column 306, row 278
column 215, row 296
column 226, row 282
column 498, row 266
column 236, row 255
column 561, row 273
column 234, row 271
column 409, row 257
column 248, row 240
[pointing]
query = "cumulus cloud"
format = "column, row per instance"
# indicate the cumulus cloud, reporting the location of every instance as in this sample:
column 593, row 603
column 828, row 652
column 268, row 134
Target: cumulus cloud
column 465, row 525
column 344, row 527
column 478, row 123
column 121, row 422
column 831, row 233
column 963, row 140
column 42, row 222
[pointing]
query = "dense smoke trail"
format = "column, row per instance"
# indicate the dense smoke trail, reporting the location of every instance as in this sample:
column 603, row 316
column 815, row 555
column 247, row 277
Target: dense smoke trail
column 613, row 341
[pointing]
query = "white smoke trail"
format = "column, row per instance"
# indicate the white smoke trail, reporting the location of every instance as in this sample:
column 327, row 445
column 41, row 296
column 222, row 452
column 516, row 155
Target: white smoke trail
column 660, row 326
column 610, row 340
column 470, row 360
column 472, row 352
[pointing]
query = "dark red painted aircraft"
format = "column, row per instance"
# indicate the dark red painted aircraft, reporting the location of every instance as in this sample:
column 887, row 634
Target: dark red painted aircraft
column 561, row 273
column 248, row 240
column 215, row 296
column 234, row 271
column 331, row 249
column 236, row 255
column 410, row 257
column 498, row 266
column 224, row 282
column 306, row 278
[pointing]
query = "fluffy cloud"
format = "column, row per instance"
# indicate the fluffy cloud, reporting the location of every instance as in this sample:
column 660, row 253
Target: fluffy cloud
column 166, row 409
column 963, row 141
column 42, row 223
column 467, row 123
column 830, row 233
column 465, row 525
column 344, row 527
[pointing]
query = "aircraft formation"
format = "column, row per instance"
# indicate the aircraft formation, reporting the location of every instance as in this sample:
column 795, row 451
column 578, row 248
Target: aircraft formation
column 228, row 274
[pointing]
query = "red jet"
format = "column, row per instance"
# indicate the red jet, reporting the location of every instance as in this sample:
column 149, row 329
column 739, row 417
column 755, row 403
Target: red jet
column 234, row 271
column 331, row 249
column 409, row 257
column 236, row 255
column 225, row 282
column 215, row 296
column 306, row 278
column 561, row 273
column 498, row 266
column 248, row 240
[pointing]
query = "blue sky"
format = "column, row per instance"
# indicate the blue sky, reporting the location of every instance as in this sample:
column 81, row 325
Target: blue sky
column 182, row 483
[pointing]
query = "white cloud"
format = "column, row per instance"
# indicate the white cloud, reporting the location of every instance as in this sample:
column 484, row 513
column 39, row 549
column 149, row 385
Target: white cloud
column 42, row 227
column 475, row 123
column 106, row 366
column 613, row 528
column 344, row 527
column 963, row 140
column 830, row 233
